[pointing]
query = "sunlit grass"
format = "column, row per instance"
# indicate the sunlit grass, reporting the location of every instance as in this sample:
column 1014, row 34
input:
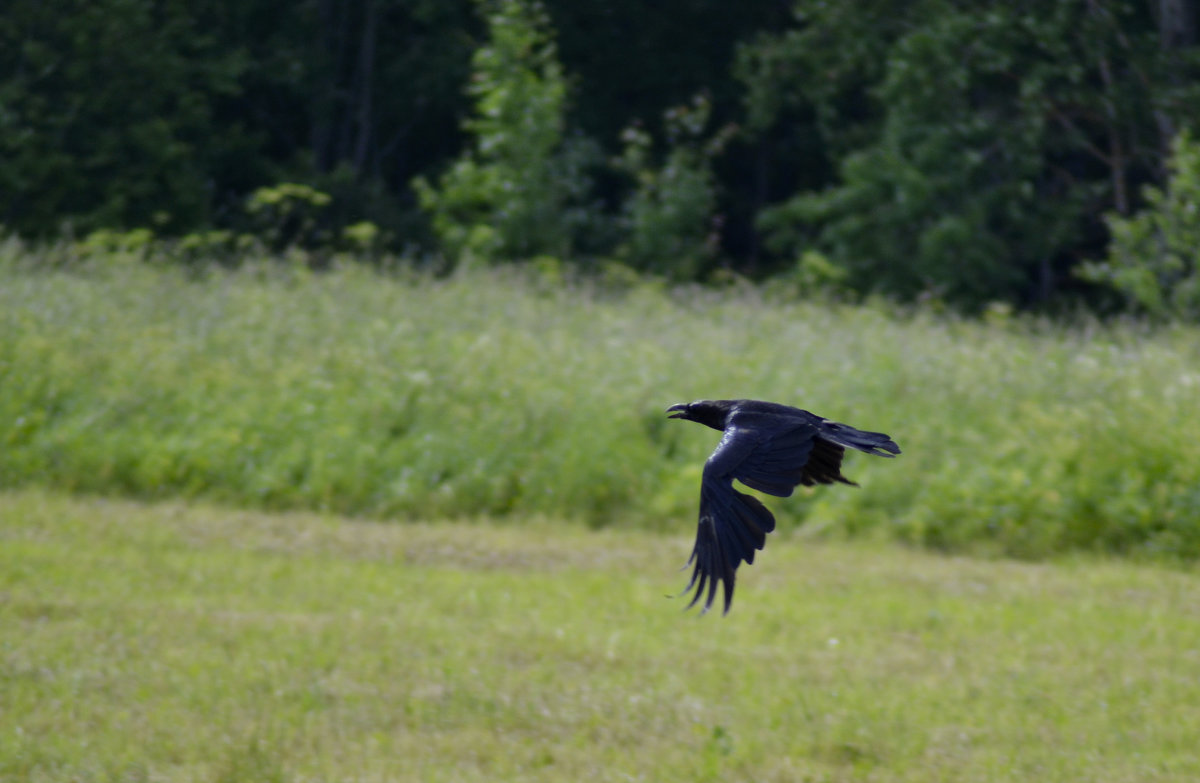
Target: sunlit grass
column 506, row 394
column 177, row 643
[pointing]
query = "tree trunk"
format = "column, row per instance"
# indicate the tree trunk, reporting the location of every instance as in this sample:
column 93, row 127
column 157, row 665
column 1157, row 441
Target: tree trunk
column 1177, row 23
column 1176, row 30
column 365, row 85
column 325, row 101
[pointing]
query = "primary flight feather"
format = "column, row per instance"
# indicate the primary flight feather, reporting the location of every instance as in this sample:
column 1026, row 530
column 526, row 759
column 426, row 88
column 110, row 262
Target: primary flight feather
column 768, row 447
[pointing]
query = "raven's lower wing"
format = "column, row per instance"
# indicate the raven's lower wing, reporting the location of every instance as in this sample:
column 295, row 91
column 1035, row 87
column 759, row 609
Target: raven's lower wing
column 732, row 526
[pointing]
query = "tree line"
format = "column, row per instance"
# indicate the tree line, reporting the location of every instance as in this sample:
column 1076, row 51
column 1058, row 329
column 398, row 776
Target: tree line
column 1016, row 151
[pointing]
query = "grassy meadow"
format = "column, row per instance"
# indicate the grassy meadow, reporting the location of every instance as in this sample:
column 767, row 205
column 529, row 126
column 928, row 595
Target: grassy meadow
column 184, row 642
column 509, row 394
column 267, row 524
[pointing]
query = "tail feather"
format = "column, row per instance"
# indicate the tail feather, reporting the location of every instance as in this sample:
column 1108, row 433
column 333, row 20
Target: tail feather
column 825, row 465
column 876, row 443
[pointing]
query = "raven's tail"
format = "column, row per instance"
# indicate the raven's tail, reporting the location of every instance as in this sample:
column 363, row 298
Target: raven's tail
column 875, row 443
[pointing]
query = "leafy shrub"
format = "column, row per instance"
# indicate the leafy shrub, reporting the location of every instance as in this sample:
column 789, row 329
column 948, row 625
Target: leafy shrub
column 516, row 191
column 1154, row 256
column 289, row 215
column 670, row 216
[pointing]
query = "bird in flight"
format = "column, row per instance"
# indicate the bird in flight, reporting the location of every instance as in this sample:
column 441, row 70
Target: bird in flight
column 768, row 447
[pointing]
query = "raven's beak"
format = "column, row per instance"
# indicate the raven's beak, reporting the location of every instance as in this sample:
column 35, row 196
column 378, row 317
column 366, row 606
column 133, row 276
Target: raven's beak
column 681, row 407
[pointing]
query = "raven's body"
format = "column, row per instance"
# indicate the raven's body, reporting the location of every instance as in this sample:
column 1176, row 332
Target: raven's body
column 769, row 447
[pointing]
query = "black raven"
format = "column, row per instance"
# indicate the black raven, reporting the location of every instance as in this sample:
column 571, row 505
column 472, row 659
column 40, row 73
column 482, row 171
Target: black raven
column 768, row 447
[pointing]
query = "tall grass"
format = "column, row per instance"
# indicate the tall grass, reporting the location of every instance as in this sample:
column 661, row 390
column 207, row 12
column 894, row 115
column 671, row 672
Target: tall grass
column 505, row 393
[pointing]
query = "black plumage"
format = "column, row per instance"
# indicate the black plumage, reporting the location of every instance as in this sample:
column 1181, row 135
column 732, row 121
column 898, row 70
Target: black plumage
column 768, row 447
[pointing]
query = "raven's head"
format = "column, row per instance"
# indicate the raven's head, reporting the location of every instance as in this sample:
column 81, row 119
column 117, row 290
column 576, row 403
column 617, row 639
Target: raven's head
column 710, row 413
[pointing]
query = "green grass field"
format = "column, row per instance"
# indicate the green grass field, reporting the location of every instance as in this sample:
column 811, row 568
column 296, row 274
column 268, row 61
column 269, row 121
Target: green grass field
column 463, row 507
column 173, row 642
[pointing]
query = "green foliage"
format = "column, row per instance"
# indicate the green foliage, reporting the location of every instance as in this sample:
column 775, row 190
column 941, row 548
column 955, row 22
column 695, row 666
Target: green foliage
column 1152, row 259
column 965, row 137
column 180, row 642
column 108, row 115
column 201, row 249
column 516, row 392
column 925, row 207
column 931, row 150
column 524, row 187
column 510, row 195
column 121, row 113
column 670, row 220
column 106, row 242
column 362, row 238
column 288, row 215
column 813, row 276
column 945, row 150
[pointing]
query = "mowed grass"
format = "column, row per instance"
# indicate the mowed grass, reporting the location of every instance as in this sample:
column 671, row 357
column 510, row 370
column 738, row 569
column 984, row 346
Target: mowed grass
column 176, row 642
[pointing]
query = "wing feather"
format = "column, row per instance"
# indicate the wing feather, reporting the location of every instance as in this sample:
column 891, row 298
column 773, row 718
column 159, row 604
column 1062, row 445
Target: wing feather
column 733, row 525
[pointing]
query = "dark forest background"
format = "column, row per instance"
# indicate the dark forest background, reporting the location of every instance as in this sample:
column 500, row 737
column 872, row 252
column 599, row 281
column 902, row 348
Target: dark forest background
column 1031, row 153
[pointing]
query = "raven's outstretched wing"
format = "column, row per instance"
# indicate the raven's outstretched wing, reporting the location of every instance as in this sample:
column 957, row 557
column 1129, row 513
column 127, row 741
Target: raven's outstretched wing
column 769, row 456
